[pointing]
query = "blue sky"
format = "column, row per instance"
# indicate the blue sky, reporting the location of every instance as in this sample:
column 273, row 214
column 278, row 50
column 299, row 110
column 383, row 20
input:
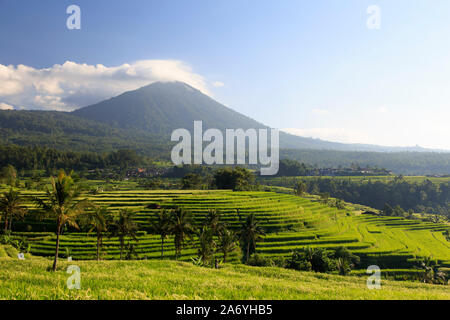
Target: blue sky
column 312, row 67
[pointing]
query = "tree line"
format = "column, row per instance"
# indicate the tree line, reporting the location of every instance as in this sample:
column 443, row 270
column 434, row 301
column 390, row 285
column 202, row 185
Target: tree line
column 423, row 197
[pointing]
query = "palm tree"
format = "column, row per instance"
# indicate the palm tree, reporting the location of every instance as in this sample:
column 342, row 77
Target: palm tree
column 161, row 226
column 227, row 243
column 250, row 233
column 124, row 226
column 98, row 220
column 182, row 228
column 213, row 221
column 62, row 204
column 10, row 206
column 206, row 245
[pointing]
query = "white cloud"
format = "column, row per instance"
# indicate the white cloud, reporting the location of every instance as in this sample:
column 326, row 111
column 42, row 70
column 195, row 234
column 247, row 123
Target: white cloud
column 218, row 84
column 5, row 106
column 71, row 85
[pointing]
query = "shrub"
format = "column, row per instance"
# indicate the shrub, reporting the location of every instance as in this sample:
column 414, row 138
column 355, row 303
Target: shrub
column 259, row 261
column 311, row 259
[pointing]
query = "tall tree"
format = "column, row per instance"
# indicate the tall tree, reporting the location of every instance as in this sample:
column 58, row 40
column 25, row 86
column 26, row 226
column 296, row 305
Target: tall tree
column 62, row 204
column 182, row 227
column 251, row 231
column 161, row 226
column 213, row 220
column 11, row 206
column 227, row 243
column 207, row 245
column 124, row 226
column 98, row 220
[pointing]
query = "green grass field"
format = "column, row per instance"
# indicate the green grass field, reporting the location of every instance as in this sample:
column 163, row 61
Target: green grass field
column 153, row 279
column 290, row 222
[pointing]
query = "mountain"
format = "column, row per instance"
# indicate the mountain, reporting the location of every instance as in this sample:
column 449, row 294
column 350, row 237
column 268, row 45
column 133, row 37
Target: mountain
column 143, row 120
column 162, row 107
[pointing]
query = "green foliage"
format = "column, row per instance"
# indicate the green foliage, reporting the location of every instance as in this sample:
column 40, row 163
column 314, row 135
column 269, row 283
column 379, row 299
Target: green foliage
column 124, row 226
column 161, row 225
column 227, row 243
column 192, row 181
column 61, row 204
column 8, row 175
column 315, row 259
column 237, row 179
column 206, row 245
column 251, row 232
column 11, row 208
column 182, row 228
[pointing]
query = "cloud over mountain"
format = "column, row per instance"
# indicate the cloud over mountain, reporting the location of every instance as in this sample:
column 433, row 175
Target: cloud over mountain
column 72, row 85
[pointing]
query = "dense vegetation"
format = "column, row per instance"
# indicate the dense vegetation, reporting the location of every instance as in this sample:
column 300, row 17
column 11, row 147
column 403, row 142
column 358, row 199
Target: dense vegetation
column 420, row 196
column 407, row 163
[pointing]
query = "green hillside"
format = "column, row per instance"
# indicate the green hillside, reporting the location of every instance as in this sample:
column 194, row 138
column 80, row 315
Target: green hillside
column 289, row 221
column 178, row 280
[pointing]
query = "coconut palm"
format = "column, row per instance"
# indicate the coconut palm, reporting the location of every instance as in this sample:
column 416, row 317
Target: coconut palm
column 213, row 221
column 10, row 207
column 182, row 228
column 124, row 226
column 207, row 245
column 161, row 225
column 99, row 221
column 62, row 204
column 250, row 232
column 227, row 243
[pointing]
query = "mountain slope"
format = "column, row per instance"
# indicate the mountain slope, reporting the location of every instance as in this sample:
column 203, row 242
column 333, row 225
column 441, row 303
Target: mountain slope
column 162, row 107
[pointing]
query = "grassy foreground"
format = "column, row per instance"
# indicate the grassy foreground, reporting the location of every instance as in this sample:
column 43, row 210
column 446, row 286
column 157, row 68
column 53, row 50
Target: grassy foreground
column 152, row 279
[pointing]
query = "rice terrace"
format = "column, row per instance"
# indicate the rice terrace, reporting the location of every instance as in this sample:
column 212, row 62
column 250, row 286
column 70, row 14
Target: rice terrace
column 290, row 222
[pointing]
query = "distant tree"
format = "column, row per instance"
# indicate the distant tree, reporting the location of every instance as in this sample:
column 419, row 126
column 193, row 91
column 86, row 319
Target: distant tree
column 345, row 260
column 237, row 179
column 227, row 243
column 250, row 233
column 123, row 226
column 182, row 227
column 191, row 181
column 398, row 211
column 161, row 225
column 9, row 175
column 10, row 207
column 387, row 210
column 207, row 245
column 213, row 221
column 315, row 259
column 62, row 204
column 339, row 204
column 432, row 273
column 300, row 188
column 99, row 221
column 324, row 196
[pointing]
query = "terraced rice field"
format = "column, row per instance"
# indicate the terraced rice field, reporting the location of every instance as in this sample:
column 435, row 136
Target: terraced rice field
column 289, row 221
